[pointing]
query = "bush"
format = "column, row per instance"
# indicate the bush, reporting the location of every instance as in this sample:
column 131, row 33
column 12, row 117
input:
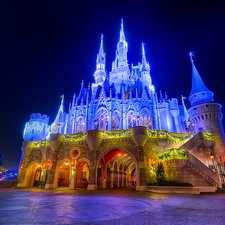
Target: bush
column 160, row 174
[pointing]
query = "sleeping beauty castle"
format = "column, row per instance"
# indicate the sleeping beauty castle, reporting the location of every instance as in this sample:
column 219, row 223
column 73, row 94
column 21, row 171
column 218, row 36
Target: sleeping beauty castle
column 118, row 130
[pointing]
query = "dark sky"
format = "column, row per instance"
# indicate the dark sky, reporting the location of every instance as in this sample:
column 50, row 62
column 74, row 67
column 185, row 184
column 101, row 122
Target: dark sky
column 48, row 47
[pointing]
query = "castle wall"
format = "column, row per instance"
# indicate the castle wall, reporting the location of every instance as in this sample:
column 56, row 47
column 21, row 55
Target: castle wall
column 180, row 171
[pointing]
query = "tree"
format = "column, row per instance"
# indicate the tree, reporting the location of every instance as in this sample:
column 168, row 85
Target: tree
column 160, row 174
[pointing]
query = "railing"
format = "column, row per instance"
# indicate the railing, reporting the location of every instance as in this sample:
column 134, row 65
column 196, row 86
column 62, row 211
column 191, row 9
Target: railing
column 203, row 170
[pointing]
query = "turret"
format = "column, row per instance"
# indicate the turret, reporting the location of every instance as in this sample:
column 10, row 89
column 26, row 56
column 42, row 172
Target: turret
column 100, row 73
column 120, row 69
column 199, row 92
column 37, row 128
column 145, row 69
column 204, row 114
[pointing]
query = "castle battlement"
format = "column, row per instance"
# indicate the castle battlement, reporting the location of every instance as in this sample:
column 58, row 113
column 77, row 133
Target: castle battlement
column 38, row 117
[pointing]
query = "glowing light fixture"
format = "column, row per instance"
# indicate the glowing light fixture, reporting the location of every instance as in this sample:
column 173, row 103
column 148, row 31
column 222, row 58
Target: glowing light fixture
column 211, row 155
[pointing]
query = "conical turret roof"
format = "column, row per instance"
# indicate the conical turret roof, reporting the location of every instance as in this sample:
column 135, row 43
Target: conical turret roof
column 199, row 92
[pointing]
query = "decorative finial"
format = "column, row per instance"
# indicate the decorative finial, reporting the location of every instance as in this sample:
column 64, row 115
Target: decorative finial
column 62, row 97
column 101, row 43
column 191, row 55
column 122, row 23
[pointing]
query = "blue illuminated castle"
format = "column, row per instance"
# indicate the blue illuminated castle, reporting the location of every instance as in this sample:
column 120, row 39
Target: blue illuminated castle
column 122, row 99
column 119, row 113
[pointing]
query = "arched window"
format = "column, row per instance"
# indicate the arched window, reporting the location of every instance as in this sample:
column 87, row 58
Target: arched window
column 102, row 117
column 131, row 119
column 145, row 118
column 80, row 124
column 115, row 120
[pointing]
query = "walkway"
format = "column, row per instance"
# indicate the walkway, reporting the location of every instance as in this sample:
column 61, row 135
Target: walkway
column 110, row 206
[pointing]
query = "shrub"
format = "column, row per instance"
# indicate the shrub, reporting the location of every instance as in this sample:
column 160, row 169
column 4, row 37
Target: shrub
column 160, row 174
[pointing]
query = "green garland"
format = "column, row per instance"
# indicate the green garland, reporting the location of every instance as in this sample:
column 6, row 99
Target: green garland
column 116, row 133
column 208, row 136
column 172, row 154
column 178, row 137
column 74, row 137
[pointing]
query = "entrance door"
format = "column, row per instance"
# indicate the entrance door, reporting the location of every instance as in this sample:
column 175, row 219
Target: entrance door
column 37, row 177
column 64, row 176
column 82, row 175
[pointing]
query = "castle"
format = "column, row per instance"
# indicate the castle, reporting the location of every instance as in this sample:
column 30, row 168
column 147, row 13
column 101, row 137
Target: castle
column 117, row 130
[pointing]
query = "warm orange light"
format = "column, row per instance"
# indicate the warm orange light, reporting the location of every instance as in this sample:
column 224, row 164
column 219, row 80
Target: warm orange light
column 211, row 156
column 118, row 154
column 48, row 163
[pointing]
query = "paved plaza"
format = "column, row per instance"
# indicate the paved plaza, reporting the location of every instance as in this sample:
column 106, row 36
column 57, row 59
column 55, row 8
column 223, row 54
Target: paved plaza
column 109, row 206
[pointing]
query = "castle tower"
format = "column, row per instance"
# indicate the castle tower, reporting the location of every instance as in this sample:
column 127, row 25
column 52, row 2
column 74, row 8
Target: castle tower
column 37, row 128
column 120, row 70
column 122, row 48
column 204, row 114
column 100, row 73
column 145, row 69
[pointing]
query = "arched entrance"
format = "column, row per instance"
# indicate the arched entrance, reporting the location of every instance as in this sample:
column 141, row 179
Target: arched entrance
column 37, row 176
column 116, row 168
column 64, row 175
column 33, row 175
column 82, row 174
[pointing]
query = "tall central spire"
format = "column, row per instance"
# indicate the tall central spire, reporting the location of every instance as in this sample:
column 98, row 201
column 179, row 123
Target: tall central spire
column 122, row 48
column 199, row 92
column 122, row 36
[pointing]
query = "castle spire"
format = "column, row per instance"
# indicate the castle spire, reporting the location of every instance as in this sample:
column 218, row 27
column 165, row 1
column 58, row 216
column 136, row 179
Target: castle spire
column 61, row 110
column 100, row 61
column 122, row 48
column 60, row 118
column 199, row 92
column 100, row 73
column 145, row 65
column 122, row 36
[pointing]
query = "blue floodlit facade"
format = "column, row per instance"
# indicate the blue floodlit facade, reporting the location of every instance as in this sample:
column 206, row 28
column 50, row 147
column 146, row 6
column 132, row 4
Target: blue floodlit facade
column 121, row 99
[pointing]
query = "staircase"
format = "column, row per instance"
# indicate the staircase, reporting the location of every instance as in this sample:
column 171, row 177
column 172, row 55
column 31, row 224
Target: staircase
column 205, row 172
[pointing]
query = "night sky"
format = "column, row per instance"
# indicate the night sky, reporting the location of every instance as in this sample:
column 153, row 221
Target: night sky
column 48, row 47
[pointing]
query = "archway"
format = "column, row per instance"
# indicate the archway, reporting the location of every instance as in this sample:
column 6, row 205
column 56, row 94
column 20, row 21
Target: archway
column 37, row 176
column 116, row 168
column 64, row 175
column 82, row 174
column 33, row 175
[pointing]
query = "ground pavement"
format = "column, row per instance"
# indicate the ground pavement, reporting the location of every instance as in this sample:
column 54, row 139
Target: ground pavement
column 108, row 206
